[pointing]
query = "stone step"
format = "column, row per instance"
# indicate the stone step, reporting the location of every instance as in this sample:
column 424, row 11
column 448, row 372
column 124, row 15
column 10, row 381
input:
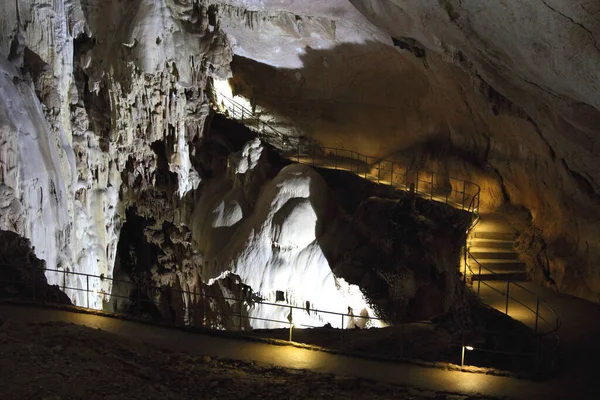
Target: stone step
column 492, row 243
column 494, row 235
column 503, row 277
column 493, row 254
column 500, row 265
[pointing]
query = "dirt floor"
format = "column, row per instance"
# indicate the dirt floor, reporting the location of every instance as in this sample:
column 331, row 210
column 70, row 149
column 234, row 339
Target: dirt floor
column 52, row 361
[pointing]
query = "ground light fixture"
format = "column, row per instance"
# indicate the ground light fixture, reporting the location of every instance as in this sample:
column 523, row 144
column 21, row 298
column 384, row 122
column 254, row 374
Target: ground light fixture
column 462, row 358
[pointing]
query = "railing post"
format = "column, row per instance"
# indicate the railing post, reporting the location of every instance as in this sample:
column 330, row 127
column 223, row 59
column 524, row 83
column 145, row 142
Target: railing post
column 290, row 319
column 537, row 314
column 336, row 156
column 462, row 354
column 402, row 340
column 479, row 280
column 466, row 253
column 507, row 295
column 359, row 165
column 87, row 289
column 417, row 184
column 240, row 311
column 432, row 181
column 342, row 332
column 204, row 317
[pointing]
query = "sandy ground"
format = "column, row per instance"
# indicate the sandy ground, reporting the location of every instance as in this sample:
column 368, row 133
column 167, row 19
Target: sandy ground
column 57, row 360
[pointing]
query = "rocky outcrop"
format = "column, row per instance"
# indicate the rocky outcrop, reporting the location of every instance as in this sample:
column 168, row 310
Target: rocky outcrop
column 90, row 111
column 22, row 273
column 262, row 228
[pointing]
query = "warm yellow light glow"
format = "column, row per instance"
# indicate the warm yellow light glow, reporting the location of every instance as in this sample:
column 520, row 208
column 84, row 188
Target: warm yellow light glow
column 222, row 87
column 225, row 96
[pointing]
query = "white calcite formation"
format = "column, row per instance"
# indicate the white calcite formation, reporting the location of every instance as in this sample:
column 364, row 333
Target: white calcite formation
column 87, row 87
column 273, row 245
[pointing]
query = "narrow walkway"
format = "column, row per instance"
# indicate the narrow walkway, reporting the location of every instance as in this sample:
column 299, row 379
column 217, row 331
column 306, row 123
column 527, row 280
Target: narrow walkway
column 292, row 357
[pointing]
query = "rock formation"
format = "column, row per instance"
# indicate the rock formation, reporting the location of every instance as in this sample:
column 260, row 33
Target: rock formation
column 22, row 273
column 103, row 107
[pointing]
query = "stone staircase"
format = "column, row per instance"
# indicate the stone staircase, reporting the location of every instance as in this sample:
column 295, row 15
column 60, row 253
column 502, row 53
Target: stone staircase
column 491, row 244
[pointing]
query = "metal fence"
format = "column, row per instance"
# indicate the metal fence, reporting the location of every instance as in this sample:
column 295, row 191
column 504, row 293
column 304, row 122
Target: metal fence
column 198, row 309
column 428, row 184
column 543, row 312
column 547, row 339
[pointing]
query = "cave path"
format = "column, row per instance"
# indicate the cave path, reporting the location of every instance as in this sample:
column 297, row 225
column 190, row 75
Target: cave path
column 293, row 357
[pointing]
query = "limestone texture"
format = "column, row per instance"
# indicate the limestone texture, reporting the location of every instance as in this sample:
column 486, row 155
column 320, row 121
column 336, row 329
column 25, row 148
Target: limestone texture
column 103, row 110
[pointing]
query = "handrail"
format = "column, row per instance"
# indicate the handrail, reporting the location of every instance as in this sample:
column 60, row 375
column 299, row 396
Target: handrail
column 374, row 169
column 234, row 315
column 557, row 322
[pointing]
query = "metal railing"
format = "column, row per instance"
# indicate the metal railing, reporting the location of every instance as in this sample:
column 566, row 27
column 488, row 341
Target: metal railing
column 547, row 340
column 509, row 295
column 202, row 312
column 234, row 110
column 427, row 184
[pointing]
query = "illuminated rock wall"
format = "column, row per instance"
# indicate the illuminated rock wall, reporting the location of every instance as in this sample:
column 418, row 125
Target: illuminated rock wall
column 103, row 99
column 87, row 88
column 502, row 94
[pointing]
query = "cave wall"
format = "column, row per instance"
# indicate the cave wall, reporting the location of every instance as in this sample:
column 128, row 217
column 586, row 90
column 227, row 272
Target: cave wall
column 88, row 87
column 540, row 59
column 102, row 100
column 501, row 93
